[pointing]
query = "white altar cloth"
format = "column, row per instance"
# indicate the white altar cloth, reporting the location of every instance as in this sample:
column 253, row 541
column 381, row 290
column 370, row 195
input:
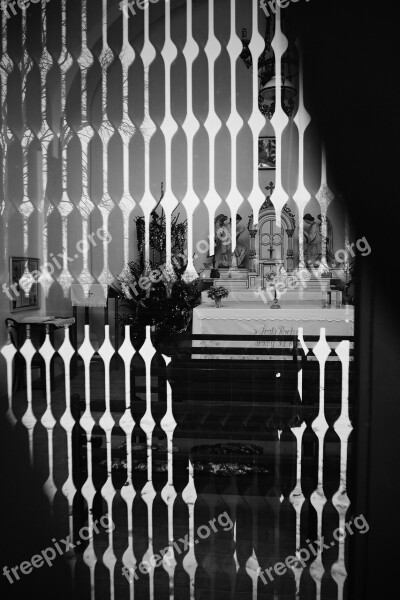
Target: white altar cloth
column 251, row 318
column 293, row 296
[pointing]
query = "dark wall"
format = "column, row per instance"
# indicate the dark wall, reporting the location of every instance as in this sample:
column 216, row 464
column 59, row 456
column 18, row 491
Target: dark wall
column 350, row 78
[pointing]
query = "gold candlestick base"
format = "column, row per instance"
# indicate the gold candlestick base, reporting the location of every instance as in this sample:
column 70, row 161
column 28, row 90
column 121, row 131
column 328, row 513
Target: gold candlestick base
column 275, row 301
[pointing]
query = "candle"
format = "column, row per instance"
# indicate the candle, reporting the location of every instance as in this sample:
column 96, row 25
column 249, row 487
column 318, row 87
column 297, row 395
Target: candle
column 324, row 298
column 338, row 299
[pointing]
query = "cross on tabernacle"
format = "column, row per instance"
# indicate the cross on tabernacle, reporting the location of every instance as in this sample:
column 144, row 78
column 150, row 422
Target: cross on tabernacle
column 270, row 187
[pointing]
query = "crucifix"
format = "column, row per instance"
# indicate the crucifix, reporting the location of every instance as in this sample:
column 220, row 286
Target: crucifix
column 271, row 250
column 270, row 187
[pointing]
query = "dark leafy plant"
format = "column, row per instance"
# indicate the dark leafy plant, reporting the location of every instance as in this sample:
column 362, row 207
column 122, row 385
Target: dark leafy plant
column 157, row 232
column 167, row 303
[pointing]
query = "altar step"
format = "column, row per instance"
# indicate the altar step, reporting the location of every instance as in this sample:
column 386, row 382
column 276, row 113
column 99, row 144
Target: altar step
column 233, row 279
column 232, row 284
column 295, row 290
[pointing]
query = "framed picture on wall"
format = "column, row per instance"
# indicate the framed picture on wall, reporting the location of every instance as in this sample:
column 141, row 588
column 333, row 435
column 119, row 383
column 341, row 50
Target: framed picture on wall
column 267, row 152
column 23, row 292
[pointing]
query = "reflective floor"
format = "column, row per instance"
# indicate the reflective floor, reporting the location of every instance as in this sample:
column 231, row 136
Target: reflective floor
column 178, row 498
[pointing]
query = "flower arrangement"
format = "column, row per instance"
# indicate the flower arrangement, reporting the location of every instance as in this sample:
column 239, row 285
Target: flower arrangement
column 217, row 293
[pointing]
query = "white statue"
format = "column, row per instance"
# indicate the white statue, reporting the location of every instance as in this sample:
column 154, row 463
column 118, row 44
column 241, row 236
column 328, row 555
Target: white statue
column 330, row 255
column 223, row 239
column 313, row 241
column 240, row 249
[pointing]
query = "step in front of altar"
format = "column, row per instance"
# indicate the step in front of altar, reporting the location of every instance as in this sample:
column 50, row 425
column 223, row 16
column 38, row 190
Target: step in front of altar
column 233, row 280
column 239, row 292
column 306, row 290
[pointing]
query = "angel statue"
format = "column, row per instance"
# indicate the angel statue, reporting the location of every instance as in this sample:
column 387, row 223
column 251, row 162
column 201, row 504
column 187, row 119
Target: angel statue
column 240, row 248
column 223, row 239
column 312, row 241
column 330, row 255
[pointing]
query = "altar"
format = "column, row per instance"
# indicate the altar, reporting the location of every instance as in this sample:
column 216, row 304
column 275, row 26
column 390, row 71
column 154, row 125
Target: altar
column 258, row 318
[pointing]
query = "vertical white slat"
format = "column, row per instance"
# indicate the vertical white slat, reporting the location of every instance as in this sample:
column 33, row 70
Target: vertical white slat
column 127, row 423
column 106, row 352
column 296, row 496
column 253, row 570
column 48, row 421
column 190, row 126
column 147, row 423
column 189, row 563
column 256, row 120
column 64, row 61
column 320, row 427
column 26, row 208
column 148, row 128
column 169, row 128
column 105, row 132
column 85, row 134
column 85, row 61
column 85, row 207
column 212, row 124
column 67, row 421
column 297, row 499
column 6, row 68
column 234, row 125
column 29, row 420
column 26, row 280
column 168, row 493
column 300, row 373
column 45, row 278
column 324, row 197
column 126, row 130
column 9, row 351
column 340, row 500
column 301, row 196
column 280, row 119
column 86, row 351
column 65, row 207
column 45, row 135
column 235, row 557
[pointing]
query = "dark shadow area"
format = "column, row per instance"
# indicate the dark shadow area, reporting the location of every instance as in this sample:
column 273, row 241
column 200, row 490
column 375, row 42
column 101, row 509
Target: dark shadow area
column 349, row 51
column 26, row 528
